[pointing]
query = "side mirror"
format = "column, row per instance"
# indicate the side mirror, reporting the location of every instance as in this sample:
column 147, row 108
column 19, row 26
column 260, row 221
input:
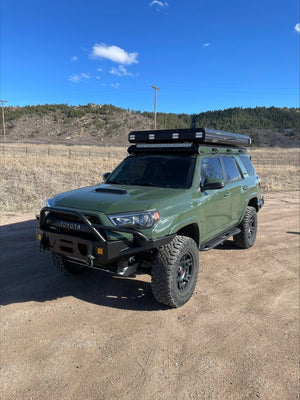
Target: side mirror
column 212, row 183
column 105, row 175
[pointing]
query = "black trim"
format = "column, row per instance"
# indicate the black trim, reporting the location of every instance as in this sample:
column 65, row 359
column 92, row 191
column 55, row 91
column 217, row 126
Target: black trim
column 219, row 239
column 192, row 149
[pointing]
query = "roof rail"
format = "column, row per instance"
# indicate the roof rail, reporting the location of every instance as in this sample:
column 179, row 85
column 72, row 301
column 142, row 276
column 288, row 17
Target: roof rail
column 194, row 135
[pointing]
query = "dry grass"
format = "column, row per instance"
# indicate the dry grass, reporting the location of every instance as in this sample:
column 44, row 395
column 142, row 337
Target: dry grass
column 28, row 178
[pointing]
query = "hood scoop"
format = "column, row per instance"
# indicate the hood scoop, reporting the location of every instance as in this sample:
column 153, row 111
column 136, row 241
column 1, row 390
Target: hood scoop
column 110, row 190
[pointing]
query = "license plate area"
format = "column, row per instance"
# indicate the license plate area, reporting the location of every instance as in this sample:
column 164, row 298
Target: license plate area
column 77, row 248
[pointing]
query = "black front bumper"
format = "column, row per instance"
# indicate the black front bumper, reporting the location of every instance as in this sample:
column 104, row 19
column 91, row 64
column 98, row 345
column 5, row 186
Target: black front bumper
column 96, row 251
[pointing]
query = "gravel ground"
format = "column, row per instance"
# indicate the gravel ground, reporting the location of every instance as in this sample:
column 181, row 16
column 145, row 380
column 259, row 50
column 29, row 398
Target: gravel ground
column 101, row 337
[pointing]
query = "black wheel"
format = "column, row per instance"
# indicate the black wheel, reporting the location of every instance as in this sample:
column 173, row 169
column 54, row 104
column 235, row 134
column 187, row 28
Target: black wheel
column 61, row 262
column 175, row 271
column 246, row 238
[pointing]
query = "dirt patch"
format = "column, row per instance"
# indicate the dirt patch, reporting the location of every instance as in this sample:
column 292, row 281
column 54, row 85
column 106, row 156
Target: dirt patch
column 102, row 337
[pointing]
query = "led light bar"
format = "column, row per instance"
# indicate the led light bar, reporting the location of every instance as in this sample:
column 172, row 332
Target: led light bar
column 195, row 135
column 162, row 145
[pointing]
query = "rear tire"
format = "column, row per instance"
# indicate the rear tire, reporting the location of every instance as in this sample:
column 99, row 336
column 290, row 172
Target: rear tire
column 61, row 262
column 246, row 238
column 175, row 271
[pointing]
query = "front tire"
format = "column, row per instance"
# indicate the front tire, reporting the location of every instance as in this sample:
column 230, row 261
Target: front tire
column 61, row 262
column 175, row 271
column 246, row 238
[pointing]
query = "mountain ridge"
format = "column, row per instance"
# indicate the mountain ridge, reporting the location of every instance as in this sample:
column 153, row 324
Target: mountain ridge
column 109, row 125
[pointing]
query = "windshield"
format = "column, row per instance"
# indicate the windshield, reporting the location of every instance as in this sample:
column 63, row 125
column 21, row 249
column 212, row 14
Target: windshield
column 169, row 171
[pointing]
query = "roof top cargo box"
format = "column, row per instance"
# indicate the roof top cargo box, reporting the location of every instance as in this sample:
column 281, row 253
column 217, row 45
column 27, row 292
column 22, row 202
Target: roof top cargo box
column 195, row 135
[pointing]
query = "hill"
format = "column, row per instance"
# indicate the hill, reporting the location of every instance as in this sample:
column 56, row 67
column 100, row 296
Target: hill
column 110, row 125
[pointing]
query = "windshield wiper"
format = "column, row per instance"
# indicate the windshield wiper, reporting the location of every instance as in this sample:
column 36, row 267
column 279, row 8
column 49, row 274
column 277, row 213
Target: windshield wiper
column 148, row 184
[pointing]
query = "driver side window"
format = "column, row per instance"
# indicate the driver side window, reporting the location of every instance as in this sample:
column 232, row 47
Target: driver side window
column 210, row 168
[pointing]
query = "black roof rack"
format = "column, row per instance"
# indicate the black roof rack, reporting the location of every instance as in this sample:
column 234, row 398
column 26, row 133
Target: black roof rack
column 194, row 135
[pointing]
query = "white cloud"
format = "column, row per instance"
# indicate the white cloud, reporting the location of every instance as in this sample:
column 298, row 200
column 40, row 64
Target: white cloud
column 158, row 3
column 74, row 58
column 75, row 78
column 114, row 53
column 206, row 45
column 120, row 71
column 297, row 27
column 115, row 85
column 99, row 69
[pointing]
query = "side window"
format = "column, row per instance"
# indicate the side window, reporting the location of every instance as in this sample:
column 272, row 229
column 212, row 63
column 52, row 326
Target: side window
column 210, row 168
column 231, row 169
column 247, row 164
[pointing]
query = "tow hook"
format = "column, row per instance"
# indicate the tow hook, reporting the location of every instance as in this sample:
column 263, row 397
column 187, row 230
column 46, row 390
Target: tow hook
column 90, row 261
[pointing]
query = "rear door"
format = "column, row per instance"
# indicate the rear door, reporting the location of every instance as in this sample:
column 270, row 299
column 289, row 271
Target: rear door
column 233, row 188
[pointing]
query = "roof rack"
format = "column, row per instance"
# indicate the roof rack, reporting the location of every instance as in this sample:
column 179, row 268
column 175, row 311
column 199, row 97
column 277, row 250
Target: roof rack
column 194, row 135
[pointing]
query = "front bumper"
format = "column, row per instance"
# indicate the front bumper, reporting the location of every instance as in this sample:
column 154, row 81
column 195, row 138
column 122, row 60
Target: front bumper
column 96, row 251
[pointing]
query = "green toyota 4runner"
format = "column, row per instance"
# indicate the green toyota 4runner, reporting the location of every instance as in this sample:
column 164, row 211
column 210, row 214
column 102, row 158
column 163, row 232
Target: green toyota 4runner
column 179, row 191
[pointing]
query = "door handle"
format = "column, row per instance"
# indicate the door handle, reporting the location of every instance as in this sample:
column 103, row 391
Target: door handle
column 227, row 194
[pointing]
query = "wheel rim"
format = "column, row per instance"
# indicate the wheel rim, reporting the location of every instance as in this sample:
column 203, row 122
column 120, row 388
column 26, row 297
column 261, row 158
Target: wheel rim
column 251, row 227
column 185, row 271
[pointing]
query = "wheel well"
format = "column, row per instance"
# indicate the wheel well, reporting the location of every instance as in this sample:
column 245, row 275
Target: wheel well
column 253, row 203
column 191, row 231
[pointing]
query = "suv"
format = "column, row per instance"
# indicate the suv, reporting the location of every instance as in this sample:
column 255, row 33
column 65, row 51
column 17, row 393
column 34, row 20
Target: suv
column 179, row 191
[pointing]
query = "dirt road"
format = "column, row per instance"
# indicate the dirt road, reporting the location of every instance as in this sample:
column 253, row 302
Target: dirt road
column 100, row 337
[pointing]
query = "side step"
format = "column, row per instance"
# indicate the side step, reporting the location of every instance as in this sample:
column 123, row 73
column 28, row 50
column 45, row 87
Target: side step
column 219, row 239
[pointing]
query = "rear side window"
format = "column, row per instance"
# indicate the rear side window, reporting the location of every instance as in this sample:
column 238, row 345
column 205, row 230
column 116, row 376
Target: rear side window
column 247, row 164
column 210, row 168
column 231, row 170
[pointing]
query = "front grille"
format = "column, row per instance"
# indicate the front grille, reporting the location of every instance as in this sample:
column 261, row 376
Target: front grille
column 74, row 218
column 72, row 224
column 64, row 217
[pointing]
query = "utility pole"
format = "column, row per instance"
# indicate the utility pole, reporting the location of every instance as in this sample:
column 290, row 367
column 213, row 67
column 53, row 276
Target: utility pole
column 3, row 122
column 155, row 91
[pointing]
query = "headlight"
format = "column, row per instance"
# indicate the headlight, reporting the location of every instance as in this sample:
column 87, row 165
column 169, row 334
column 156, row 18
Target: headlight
column 140, row 220
column 47, row 203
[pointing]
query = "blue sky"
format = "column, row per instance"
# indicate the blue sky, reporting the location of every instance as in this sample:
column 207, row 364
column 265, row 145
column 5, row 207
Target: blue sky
column 202, row 54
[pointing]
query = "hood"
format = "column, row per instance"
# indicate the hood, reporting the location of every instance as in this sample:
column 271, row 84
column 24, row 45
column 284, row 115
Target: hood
column 111, row 199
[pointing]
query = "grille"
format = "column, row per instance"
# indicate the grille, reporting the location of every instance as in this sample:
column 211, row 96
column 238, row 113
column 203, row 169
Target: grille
column 72, row 225
column 74, row 218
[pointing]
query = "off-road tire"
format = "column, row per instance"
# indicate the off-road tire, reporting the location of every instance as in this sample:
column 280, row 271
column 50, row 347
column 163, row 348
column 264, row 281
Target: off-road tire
column 175, row 271
column 246, row 238
column 63, row 263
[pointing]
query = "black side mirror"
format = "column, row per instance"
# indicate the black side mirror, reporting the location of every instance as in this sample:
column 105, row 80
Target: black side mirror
column 106, row 175
column 212, row 183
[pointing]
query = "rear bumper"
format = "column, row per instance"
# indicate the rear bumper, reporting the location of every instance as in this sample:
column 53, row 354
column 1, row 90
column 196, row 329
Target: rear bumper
column 260, row 203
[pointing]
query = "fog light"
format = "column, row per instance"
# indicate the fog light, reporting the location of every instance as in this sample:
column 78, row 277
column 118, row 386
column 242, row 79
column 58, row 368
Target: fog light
column 99, row 251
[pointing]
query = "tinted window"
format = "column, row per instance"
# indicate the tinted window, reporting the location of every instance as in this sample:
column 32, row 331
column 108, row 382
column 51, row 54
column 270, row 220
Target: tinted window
column 231, row 169
column 171, row 171
column 247, row 164
column 210, row 168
